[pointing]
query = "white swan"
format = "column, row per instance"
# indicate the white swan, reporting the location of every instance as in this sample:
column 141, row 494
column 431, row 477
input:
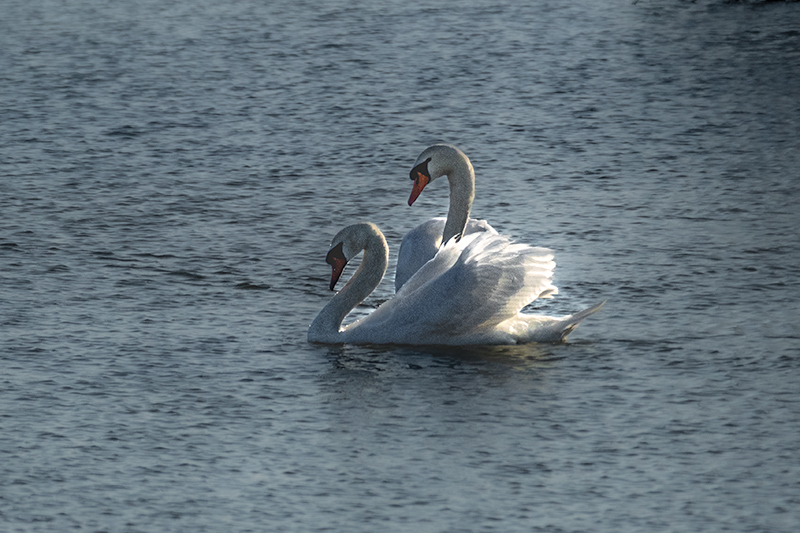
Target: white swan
column 421, row 243
column 470, row 293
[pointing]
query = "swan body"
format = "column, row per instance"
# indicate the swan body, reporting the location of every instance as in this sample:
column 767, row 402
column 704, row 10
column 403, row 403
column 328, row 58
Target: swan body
column 470, row 292
column 421, row 243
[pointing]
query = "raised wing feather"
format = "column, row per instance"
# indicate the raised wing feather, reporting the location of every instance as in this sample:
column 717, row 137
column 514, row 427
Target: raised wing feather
column 492, row 281
column 422, row 243
column 469, row 286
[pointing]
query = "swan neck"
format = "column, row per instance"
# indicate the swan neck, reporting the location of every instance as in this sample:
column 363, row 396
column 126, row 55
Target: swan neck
column 327, row 326
column 462, row 194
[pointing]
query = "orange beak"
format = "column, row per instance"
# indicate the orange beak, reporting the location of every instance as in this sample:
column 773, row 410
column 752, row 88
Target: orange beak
column 337, row 261
column 419, row 183
column 421, row 178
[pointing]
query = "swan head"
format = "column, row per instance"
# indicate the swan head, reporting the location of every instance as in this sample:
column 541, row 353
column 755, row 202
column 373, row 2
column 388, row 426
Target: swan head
column 434, row 162
column 421, row 176
column 347, row 244
column 337, row 260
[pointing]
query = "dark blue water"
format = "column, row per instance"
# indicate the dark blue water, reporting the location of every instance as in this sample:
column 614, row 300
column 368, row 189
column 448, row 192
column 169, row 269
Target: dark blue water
column 171, row 174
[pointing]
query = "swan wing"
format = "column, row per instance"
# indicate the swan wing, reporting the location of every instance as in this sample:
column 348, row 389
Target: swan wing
column 421, row 244
column 469, row 287
column 492, row 280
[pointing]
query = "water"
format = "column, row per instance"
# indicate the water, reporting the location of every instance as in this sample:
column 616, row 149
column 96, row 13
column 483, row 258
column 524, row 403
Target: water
column 172, row 173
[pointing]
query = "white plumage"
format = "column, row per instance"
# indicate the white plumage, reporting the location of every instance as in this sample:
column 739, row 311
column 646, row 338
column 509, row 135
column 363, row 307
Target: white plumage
column 421, row 244
column 471, row 292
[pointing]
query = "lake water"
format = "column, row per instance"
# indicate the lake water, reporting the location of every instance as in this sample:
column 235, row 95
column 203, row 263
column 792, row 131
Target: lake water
column 171, row 174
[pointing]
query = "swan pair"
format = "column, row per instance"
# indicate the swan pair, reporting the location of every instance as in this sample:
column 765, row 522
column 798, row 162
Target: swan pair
column 457, row 281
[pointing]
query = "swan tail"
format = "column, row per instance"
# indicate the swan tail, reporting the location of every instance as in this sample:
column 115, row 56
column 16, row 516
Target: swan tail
column 551, row 329
column 572, row 322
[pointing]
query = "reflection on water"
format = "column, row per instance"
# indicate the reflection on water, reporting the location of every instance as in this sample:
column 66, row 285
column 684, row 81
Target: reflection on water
column 379, row 357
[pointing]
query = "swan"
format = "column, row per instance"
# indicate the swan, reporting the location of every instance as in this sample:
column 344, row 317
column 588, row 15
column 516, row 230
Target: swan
column 471, row 292
column 421, row 243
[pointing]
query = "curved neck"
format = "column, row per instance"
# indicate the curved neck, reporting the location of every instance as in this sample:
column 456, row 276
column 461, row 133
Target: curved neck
column 326, row 327
column 462, row 193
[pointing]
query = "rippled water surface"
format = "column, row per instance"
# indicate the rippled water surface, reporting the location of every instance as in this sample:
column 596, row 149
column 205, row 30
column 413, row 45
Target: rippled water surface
column 171, row 174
